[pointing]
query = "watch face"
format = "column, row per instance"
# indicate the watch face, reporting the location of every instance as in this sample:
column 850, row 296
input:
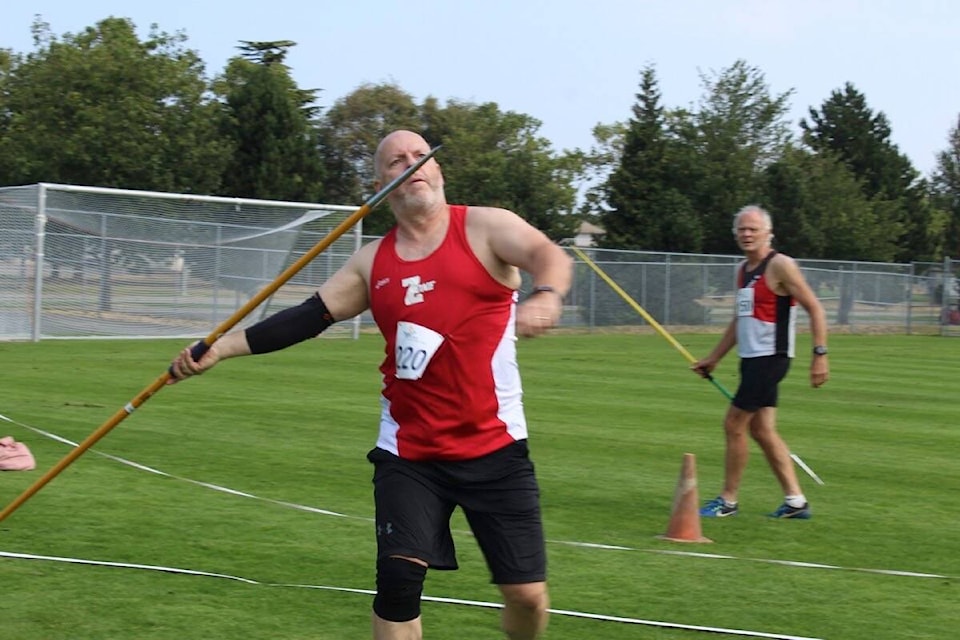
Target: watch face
column 820, row 351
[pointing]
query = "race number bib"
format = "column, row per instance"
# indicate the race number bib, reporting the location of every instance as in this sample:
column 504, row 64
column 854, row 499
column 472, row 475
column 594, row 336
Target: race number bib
column 416, row 346
column 745, row 301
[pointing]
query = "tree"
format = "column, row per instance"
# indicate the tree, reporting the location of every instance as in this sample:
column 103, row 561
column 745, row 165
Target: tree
column 489, row 157
column 496, row 158
column 596, row 166
column 737, row 130
column 349, row 133
column 271, row 124
column 846, row 127
column 820, row 211
column 945, row 187
column 6, row 116
column 103, row 108
column 643, row 210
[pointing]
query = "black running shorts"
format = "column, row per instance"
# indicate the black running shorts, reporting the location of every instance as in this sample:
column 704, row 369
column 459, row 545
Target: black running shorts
column 759, row 381
column 498, row 494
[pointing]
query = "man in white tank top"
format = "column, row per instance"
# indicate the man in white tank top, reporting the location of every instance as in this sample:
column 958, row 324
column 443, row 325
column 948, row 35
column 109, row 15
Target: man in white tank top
column 769, row 285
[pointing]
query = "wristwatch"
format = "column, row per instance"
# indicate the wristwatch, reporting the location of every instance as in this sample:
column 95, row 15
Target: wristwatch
column 819, row 350
column 544, row 288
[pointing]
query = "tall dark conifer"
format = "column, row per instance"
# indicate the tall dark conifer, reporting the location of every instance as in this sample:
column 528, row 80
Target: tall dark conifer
column 643, row 210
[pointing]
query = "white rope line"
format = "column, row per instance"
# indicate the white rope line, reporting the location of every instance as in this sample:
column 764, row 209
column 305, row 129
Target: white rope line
column 438, row 599
column 208, row 485
column 572, row 543
column 788, row 563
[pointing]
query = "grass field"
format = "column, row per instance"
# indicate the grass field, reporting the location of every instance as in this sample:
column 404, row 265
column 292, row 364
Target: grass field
column 610, row 418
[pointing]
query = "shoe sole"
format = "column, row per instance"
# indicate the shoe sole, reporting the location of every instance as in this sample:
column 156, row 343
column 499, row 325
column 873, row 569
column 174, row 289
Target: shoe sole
column 803, row 515
column 718, row 515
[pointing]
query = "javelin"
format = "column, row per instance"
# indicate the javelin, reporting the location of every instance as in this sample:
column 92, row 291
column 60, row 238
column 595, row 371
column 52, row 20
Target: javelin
column 669, row 338
column 201, row 347
column 646, row 316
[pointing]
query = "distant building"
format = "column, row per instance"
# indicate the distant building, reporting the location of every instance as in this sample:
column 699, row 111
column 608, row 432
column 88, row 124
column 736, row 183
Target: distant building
column 587, row 235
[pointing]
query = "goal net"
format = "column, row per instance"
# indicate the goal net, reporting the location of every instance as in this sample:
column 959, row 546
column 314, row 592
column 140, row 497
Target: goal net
column 87, row 262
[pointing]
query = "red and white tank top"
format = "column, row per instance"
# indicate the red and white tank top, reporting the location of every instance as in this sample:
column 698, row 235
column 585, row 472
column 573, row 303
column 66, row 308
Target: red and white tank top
column 451, row 384
column 766, row 322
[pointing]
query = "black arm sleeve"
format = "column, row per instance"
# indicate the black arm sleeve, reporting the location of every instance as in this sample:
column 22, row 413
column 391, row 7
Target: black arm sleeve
column 290, row 326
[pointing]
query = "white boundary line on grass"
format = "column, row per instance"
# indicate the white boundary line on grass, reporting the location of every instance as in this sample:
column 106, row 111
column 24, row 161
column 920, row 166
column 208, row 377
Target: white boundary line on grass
column 788, row 563
column 572, row 543
column 215, row 487
column 438, row 599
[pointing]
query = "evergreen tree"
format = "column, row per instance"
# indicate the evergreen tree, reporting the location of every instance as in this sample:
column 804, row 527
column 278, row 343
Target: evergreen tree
column 945, row 186
column 643, row 210
column 848, row 129
column 846, row 126
column 271, row 124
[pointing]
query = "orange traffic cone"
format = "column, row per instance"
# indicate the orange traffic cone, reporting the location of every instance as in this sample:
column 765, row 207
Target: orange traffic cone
column 685, row 519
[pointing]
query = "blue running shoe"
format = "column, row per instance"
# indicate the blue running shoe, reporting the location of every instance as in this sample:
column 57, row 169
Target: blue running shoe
column 797, row 513
column 718, row 508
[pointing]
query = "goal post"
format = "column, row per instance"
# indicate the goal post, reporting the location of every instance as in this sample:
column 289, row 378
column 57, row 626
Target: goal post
column 91, row 262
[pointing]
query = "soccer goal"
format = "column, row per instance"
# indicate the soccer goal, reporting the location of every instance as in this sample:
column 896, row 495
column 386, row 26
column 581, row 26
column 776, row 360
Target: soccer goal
column 89, row 262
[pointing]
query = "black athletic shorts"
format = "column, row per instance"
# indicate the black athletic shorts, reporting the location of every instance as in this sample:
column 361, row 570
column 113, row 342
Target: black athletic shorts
column 498, row 494
column 759, row 381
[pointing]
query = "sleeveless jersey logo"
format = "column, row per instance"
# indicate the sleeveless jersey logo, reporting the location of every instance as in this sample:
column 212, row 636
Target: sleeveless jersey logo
column 415, row 289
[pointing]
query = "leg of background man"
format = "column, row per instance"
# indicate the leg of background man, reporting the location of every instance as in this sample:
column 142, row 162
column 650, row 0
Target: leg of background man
column 524, row 610
column 735, row 427
column 763, row 428
column 386, row 630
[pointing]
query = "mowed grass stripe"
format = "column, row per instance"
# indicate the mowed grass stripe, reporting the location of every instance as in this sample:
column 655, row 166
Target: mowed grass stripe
column 610, row 418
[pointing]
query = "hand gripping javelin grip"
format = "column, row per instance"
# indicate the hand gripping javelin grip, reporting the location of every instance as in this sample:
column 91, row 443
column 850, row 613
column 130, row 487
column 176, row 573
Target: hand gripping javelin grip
column 669, row 338
column 201, row 348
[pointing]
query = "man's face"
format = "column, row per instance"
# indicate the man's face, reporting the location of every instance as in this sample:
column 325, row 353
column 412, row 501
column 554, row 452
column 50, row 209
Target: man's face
column 397, row 153
column 752, row 232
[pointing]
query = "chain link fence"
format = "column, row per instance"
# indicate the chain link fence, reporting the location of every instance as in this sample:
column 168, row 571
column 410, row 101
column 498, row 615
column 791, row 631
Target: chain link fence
column 82, row 262
column 696, row 292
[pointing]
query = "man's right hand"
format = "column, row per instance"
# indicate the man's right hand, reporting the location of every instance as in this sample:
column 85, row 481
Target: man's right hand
column 192, row 361
column 703, row 368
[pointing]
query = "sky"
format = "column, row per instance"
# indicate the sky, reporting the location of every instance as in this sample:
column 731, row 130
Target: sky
column 573, row 64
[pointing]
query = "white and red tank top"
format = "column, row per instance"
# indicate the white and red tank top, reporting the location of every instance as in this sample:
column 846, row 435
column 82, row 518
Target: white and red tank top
column 766, row 322
column 451, row 384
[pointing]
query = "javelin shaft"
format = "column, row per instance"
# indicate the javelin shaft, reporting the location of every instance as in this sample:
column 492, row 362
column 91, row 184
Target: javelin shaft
column 222, row 328
column 633, row 303
column 803, row 465
column 669, row 338
column 646, row 316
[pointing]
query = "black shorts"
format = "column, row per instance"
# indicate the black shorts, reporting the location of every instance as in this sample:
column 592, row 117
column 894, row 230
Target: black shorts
column 498, row 494
column 759, row 381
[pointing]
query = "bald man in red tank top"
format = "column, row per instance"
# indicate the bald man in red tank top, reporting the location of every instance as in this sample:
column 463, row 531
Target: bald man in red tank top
column 442, row 286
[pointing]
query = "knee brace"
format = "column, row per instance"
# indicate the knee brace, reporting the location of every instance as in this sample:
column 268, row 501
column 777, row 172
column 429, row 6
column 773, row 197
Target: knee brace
column 399, row 586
